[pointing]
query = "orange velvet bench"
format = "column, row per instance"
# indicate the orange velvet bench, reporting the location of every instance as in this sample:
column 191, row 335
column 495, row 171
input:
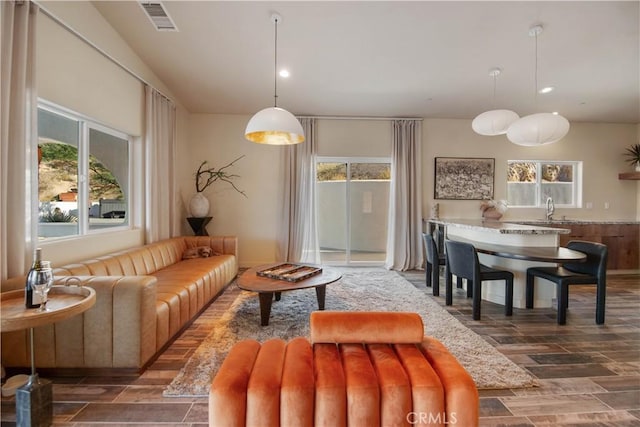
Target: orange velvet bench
column 360, row 369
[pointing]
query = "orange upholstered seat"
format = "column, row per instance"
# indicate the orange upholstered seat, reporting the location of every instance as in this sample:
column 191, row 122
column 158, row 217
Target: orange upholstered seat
column 358, row 369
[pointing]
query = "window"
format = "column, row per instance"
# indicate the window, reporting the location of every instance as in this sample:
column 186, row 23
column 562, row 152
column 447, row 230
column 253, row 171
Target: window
column 531, row 182
column 83, row 175
column 353, row 205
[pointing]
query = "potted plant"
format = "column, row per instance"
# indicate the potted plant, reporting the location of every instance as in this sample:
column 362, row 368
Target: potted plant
column 633, row 156
column 199, row 205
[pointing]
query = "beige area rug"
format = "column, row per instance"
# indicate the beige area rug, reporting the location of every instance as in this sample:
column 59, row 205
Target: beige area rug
column 360, row 289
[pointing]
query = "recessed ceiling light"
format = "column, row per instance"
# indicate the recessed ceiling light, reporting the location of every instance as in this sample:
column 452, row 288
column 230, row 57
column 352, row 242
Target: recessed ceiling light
column 284, row 73
column 546, row 89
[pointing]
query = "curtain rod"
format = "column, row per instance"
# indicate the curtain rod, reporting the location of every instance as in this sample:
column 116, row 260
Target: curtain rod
column 359, row 118
column 98, row 49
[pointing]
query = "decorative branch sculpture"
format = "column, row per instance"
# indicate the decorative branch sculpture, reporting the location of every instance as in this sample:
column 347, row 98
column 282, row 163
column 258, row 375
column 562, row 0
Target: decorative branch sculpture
column 212, row 175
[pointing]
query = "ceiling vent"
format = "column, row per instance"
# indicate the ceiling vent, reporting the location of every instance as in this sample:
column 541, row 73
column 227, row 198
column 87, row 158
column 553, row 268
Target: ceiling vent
column 158, row 16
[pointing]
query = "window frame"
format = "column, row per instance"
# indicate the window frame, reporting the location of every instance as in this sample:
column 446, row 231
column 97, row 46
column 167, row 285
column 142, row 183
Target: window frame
column 85, row 125
column 576, row 184
column 349, row 160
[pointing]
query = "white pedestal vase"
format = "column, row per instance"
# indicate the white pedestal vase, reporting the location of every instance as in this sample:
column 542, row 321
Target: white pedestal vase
column 199, row 206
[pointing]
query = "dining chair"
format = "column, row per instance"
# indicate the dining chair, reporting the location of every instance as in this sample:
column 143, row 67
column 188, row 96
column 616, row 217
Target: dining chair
column 591, row 272
column 434, row 261
column 462, row 261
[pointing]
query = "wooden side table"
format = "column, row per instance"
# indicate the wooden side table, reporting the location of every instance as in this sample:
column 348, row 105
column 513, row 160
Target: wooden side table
column 34, row 403
column 199, row 225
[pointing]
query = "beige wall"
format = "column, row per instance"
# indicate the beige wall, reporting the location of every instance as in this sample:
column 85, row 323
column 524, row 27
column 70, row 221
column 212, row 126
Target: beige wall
column 354, row 138
column 219, row 139
column 75, row 76
column 598, row 146
column 71, row 74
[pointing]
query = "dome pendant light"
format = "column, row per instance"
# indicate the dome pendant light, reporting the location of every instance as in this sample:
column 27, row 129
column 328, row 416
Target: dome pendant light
column 274, row 125
column 541, row 128
column 494, row 122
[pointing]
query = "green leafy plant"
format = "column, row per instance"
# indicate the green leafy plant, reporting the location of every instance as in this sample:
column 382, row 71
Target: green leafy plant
column 56, row 215
column 633, row 154
column 207, row 176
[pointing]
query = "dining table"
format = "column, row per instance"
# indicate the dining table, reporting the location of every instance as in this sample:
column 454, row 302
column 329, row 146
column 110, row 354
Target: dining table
column 514, row 247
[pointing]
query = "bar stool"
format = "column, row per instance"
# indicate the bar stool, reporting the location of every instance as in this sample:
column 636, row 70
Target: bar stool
column 434, row 261
column 591, row 272
column 462, row 260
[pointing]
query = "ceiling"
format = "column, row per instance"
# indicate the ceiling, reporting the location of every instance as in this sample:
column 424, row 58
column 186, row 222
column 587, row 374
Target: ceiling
column 394, row 59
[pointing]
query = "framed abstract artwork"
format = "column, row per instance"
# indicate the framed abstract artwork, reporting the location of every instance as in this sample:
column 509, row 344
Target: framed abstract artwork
column 464, row 178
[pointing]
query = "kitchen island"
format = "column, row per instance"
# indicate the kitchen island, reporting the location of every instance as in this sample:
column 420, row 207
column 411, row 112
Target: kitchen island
column 622, row 238
column 528, row 242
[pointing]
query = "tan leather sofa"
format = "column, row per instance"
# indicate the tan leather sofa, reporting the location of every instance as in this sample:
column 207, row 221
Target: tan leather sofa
column 145, row 297
column 360, row 369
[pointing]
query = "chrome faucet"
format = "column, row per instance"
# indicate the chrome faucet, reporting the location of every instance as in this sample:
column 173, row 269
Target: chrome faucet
column 550, row 209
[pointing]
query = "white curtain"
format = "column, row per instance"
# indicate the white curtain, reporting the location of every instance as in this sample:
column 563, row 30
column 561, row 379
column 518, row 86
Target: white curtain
column 404, row 239
column 161, row 210
column 298, row 228
column 18, row 137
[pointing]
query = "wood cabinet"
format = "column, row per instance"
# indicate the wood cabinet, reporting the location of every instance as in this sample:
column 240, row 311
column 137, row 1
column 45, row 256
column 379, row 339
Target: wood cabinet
column 622, row 240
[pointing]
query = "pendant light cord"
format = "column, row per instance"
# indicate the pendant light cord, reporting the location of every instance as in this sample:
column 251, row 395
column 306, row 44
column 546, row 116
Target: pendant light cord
column 495, row 76
column 275, row 66
column 535, row 79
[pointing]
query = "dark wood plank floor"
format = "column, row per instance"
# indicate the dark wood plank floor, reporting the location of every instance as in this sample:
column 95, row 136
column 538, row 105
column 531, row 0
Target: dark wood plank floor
column 589, row 374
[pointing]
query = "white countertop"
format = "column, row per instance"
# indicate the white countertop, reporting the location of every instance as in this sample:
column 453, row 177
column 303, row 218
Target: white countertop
column 555, row 222
column 499, row 226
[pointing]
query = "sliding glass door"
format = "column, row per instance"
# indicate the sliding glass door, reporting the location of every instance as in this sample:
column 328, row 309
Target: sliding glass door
column 353, row 205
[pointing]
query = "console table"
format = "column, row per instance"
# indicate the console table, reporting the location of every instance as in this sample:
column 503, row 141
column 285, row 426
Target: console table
column 199, row 225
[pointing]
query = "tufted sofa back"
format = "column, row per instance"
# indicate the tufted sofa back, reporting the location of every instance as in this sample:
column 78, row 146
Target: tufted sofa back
column 147, row 259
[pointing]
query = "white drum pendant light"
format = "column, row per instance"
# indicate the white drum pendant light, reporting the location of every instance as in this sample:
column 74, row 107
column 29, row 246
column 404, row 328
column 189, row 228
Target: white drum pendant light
column 494, row 122
column 274, row 125
column 540, row 128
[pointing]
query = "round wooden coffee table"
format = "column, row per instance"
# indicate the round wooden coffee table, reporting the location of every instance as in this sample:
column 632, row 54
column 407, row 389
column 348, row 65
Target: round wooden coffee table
column 267, row 287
